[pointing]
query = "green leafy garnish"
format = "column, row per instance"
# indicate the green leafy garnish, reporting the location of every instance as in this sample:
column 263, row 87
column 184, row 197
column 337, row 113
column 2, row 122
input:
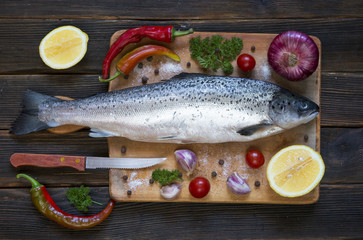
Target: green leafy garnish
column 166, row 177
column 215, row 52
column 79, row 198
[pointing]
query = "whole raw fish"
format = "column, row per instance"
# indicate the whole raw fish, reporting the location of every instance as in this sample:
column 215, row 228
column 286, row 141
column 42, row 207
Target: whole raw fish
column 187, row 108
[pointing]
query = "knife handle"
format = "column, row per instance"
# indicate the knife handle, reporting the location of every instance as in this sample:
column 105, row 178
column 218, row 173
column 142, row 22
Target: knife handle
column 48, row 160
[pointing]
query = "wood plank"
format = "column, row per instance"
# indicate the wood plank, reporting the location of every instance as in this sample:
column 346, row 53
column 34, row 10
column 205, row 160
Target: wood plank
column 341, row 149
column 44, row 142
column 337, row 215
column 189, row 9
column 20, row 40
column 208, row 154
column 339, row 91
column 336, row 88
column 13, row 87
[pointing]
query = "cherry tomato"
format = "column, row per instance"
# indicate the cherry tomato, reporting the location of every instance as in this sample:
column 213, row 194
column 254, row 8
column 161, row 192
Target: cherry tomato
column 255, row 158
column 246, row 62
column 199, row 187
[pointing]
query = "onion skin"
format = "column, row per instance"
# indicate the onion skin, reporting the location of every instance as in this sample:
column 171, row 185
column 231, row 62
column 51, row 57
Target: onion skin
column 170, row 192
column 237, row 184
column 293, row 55
column 186, row 159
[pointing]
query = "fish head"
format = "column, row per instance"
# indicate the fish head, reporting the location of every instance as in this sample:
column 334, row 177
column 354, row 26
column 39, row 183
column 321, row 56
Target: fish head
column 288, row 110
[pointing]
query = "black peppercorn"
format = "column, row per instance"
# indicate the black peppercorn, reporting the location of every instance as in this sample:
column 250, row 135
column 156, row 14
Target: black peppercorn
column 125, row 177
column 188, row 64
column 214, row 174
column 306, row 138
column 151, row 181
column 126, row 77
column 140, row 65
column 129, row 192
column 144, row 80
column 221, row 161
column 149, row 59
column 257, row 183
column 156, row 71
column 180, row 175
column 123, row 149
column 253, row 48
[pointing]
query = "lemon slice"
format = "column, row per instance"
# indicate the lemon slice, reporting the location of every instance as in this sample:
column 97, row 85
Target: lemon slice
column 295, row 171
column 63, row 47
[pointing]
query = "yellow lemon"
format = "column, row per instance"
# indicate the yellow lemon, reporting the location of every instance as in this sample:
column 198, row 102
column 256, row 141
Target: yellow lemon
column 63, row 47
column 295, row 171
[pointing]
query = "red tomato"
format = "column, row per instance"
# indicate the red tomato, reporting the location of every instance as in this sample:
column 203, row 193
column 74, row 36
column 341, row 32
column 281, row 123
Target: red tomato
column 199, row 187
column 246, row 62
column 255, row 158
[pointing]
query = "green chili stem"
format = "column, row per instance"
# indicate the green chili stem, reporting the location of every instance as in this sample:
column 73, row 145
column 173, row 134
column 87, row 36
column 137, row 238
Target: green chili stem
column 97, row 202
column 35, row 183
column 118, row 73
column 175, row 33
column 181, row 33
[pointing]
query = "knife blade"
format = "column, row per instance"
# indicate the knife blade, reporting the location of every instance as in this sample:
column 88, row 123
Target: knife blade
column 81, row 162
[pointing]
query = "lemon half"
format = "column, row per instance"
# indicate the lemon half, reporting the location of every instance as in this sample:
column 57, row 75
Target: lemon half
column 295, row 171
column 63, row 47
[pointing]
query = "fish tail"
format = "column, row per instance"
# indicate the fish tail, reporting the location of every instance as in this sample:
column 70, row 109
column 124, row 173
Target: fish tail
column 28, row 120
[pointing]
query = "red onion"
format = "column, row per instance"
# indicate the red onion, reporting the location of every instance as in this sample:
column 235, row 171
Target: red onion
column 186, row 159
column 293, row 55
column 170, row 192
column 237, row 184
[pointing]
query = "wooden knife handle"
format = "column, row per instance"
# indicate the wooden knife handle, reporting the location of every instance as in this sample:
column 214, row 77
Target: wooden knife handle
column 47, row 160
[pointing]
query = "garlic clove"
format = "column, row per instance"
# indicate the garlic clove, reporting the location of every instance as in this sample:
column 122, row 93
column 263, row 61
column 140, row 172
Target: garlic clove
column 186, row 159
column 237, row 184
column 170, row 192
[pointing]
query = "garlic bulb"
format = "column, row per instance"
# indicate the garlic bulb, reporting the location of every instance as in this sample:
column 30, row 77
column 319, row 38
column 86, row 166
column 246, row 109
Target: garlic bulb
column 170, row 192
column 186, row 159
column 237, row 184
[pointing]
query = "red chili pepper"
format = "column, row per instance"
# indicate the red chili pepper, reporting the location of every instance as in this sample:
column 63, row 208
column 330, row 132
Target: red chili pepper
column 135, row 35
column 128, row 62
column 45, row 204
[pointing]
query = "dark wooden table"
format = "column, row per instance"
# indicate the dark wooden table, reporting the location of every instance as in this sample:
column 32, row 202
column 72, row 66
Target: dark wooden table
column 337, row 214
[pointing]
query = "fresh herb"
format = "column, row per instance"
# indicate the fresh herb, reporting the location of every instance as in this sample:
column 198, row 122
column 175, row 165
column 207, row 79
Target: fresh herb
column 79, row 198
column 166, row 177
column 215, row 52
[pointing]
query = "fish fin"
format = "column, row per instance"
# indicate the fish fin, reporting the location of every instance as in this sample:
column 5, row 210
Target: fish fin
column 169, row 138
column 184, row 75
column 175, row 139
column 96, row 133
column 28, row 120
column 250, row 130
column 187, row 141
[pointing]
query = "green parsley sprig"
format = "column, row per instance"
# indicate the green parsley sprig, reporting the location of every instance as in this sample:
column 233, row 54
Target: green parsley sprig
column 166, row 177
column 79, row 198
column 215, row 52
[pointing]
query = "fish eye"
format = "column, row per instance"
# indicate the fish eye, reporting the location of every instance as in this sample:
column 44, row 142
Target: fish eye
column 304, row 105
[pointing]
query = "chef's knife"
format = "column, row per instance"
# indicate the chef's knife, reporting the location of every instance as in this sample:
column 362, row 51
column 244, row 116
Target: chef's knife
column 81, row 162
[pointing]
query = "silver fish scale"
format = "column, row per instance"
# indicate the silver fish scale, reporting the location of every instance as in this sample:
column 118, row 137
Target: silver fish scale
column 188, row 108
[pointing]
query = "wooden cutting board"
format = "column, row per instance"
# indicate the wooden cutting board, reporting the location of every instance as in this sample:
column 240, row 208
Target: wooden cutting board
column 208, row 155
